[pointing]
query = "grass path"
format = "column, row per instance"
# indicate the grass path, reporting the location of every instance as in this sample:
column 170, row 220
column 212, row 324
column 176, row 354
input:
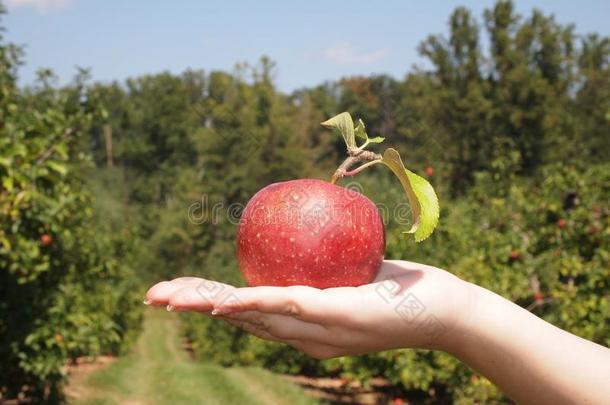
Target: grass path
column 159, row 372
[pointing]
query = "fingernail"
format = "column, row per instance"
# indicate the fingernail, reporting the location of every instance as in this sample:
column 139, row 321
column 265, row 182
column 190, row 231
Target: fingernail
column 147, row 302
column 169, row 308
column 221, row 311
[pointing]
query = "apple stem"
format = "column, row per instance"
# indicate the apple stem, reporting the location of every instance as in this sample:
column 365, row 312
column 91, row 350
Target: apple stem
column 355, row 155
column 364, row 145
column 357, row 170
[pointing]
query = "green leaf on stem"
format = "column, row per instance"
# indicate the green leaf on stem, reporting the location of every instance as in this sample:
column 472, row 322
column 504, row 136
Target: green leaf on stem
column 344, row 124
column 422, row 198
column 377, row 139
column 360, row 130
column 58, row 167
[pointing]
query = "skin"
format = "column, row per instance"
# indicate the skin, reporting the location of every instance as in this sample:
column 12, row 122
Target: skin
column 309, row 232
column 411, row 305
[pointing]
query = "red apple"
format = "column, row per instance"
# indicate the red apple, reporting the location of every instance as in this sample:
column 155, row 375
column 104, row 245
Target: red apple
column 429, row 171
column 310, row 232
column 561, row 223
column 46, row 239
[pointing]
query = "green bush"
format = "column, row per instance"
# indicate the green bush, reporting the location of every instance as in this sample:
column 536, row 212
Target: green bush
column 63, row 294
column 541, row 243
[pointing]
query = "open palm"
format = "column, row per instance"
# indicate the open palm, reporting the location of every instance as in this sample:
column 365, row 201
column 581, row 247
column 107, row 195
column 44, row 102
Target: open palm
column 408, row 305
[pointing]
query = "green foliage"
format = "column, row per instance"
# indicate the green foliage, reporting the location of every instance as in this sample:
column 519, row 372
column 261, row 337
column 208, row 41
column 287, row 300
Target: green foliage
column 177, row 156
column 539, row 243
column 520, row 89
column 62, row 293
column 421, row 195
column 492, row 137
column 561, row 273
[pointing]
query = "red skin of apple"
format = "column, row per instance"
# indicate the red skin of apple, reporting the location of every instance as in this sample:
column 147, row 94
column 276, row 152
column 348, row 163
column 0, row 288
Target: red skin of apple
column 46, row 239
column 310, row 232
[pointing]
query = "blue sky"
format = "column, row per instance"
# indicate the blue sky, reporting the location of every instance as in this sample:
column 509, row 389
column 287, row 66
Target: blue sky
column 311, row 41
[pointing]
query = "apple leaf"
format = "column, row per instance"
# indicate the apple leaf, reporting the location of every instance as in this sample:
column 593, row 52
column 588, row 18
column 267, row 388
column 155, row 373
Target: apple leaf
column 421, row 195
column 360, row 130
column 344, row 124
column 377, row 139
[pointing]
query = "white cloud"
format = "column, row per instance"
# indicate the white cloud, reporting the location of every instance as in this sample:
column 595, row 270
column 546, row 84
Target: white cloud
column 40, row 5
column 344, row 53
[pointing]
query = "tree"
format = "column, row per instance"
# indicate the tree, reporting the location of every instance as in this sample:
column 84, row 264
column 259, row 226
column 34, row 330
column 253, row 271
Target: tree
column 592, row 102
column 529, row 91
column 63, row 294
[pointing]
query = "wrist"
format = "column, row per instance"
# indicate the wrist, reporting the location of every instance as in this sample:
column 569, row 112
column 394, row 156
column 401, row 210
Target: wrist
column 462, row 319
column 484, row 323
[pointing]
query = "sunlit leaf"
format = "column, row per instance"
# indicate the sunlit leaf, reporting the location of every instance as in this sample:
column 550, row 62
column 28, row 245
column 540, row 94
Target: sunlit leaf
column 360, row 130
column 377, row 139
column 344, row 124
column 422, row 198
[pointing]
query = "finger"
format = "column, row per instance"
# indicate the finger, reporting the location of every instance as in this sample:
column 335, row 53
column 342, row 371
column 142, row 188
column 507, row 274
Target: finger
column 285, row 327
column 159, row 293
column 194, row 298
column 305, row 303
column 318, row 351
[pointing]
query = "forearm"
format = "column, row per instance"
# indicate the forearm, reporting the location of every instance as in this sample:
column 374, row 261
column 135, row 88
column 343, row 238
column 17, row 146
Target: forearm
column 529, row 359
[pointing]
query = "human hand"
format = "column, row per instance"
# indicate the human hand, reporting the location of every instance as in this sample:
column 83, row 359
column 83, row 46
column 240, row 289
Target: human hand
column 408, row 305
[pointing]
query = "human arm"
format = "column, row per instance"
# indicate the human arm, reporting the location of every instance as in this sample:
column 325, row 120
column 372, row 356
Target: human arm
column 415, row 306
column 528, row 358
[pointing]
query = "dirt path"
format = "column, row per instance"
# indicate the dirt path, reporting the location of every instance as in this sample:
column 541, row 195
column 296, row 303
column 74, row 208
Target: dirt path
column 159, row 372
